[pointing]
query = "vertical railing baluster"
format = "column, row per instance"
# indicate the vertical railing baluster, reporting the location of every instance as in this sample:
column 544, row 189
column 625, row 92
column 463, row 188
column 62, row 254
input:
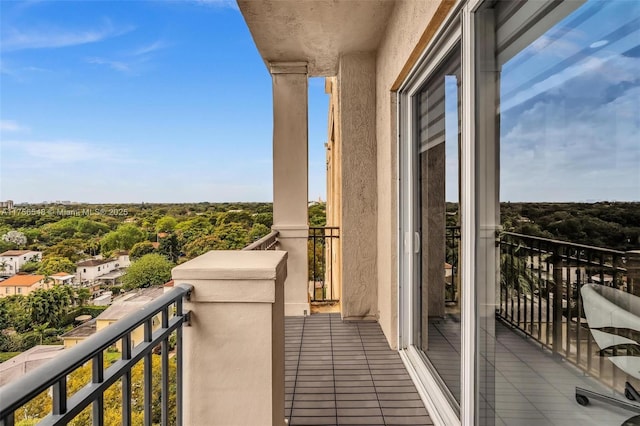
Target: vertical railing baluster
column 148, row 371
column 9, row 420
column 323, row 257
column 179, row 383
column 531, row 290
column 547, row 284
column 165, row 370
column 501, row 274
column 517, row 284
column 126, row 381
column 510, row 282
column 97, row 376
column 59, row 391
column 314, row 264
column 539, row 284
column 330, row 265
column 579, row 280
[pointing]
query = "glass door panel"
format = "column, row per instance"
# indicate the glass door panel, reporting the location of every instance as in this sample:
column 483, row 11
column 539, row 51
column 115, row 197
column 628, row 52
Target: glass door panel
column 437, row 284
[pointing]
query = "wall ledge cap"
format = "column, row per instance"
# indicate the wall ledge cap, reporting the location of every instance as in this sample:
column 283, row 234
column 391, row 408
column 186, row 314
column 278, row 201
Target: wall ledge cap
column 232, row 265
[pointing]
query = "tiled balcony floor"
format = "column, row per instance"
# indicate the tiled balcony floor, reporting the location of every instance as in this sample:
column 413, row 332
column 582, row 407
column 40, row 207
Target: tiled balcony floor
column 344, row 373
column 531, row 386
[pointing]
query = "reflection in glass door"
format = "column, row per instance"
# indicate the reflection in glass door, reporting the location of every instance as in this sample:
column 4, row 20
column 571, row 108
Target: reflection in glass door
column 436, row 215
column 565, row 178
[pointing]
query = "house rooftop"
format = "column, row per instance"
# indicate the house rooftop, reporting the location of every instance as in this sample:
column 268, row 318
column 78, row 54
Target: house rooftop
column 23, row 280
column 130, row 303
column 95, row 262
column 62, row 276
column 84, row 330
column 19, row 365
column 16, row 252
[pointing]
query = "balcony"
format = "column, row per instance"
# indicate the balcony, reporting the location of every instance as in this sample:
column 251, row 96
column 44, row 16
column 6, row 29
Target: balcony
column 320, row 369
column 259, row 368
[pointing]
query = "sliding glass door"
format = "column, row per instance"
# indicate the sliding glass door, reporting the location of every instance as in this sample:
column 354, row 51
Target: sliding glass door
column 430, row 211
column 519, row 171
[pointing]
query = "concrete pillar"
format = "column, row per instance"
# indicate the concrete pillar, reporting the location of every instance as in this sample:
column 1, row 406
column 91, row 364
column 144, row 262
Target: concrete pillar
column 290, row 177
column 633, row 271
column 234, row 348
column 358, row 236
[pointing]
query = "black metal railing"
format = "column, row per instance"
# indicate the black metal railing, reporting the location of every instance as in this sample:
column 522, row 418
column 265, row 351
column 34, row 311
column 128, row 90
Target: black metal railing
column 452, row 258
column 268, row 242
column 323, row 243
column 66, row 405
column 540, row 282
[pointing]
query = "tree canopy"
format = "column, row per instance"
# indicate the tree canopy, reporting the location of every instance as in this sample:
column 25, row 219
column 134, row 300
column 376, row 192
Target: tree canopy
column 54, row 264
column 122, row 238
column 151, row 269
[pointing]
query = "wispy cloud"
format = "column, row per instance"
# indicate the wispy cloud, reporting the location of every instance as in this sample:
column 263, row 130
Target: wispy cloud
column 150, row 48
column 130, row 61
column 115, row 65
column 60, row 151
column 47, row 38
column 11, row 126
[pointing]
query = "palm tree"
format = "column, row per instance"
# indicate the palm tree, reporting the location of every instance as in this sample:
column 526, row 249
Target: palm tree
column 82, row 295
column 41, row 330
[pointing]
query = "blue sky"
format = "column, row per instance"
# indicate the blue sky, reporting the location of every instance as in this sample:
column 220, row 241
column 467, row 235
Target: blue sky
column 139, row 101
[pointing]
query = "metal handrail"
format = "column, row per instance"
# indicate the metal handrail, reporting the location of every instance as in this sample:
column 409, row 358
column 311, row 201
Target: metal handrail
column 268, row 242
column 540, row 294
column 561, row 243
column 54, row 373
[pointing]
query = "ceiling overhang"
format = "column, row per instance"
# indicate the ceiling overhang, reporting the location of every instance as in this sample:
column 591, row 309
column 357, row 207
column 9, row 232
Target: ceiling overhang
column 315, row 31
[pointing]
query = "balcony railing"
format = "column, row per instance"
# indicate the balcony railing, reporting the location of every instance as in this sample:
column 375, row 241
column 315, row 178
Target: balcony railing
column 52, row 377
column 323, row 243
column 268, row 242
column 452, row 236
column 540, row 282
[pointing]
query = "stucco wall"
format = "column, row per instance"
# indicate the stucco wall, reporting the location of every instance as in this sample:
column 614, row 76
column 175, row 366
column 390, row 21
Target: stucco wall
column 406, row 25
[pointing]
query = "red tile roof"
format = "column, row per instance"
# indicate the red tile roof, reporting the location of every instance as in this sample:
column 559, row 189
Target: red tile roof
column 22, row 280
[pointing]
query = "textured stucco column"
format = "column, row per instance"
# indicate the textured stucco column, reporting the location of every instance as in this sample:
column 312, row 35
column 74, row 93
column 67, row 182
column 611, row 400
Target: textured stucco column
column 290, row 177
column 234, row 348
column 358, row 236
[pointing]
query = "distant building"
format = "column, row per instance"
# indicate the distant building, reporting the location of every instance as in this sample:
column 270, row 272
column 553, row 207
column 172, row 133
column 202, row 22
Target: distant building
column 12, row 260
column 123, row 259
column 22, row 284
column 78, row 334
column 90, row 270
column 6, row 204
column 62, row 278
column 120, row 308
